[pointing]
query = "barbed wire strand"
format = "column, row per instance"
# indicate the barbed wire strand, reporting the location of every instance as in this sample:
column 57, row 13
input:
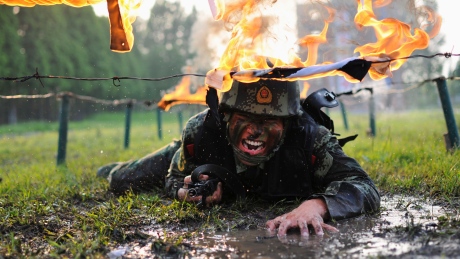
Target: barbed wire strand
column 119, row 78
column 24, row 96
column 146, row 103
column 115, row 78
column 446, row 55
column 412, row 86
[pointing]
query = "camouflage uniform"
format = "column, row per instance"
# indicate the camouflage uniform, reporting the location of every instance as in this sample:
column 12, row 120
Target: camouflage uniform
column 333, row 176
column 337, row 178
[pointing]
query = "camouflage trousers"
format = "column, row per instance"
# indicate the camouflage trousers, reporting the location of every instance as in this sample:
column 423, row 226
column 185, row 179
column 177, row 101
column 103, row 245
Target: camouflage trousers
column 146, row 174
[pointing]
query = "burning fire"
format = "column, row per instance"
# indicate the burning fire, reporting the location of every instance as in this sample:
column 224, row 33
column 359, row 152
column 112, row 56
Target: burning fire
column 122, row 13
column 182, row 95
column 245, row 49
column 394, row 40
column 306, row 87
column 312, row 42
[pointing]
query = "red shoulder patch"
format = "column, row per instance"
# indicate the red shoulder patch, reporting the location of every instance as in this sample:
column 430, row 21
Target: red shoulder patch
column 190, row 149
column 313, row 159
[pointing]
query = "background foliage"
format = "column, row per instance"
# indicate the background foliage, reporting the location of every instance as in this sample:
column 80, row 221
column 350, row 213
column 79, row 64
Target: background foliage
column 68, row 41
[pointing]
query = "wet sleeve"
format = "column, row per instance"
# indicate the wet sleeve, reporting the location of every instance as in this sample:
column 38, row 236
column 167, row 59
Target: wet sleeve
column 344, row 185
column 183, row 163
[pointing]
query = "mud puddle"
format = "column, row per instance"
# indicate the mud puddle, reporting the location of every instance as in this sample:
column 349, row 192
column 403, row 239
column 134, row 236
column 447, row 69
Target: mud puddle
column 406, row 227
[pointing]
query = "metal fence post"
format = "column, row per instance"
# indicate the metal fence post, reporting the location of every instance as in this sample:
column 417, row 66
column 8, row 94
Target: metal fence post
column 63, row 128
column 372, row 114
column 344, row 115
column 453, row 139
column 129, row 107
column 160, row 133
column 181, row 124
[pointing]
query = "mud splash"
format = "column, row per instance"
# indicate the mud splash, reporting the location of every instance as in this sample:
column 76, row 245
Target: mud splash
column 406, row 227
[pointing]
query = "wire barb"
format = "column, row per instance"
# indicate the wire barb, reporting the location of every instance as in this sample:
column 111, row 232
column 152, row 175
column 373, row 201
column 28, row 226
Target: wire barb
column 113, row 82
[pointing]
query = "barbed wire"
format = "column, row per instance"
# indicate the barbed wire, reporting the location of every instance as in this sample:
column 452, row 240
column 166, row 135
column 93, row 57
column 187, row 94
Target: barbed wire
column 25, row 96
column 37, row 76
column 145, row 103
column 387, row 91
column 446, row 55
column 114, row 78
column 412, row 86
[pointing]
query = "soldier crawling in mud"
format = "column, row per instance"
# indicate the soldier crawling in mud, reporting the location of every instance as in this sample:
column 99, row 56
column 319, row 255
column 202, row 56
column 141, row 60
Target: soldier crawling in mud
column 264, row 141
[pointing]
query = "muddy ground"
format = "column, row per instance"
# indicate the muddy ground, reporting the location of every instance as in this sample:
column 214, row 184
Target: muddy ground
column 406, row 227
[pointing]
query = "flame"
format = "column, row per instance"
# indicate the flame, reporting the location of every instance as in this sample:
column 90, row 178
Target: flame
column 217, row 8
column 312, row 42
column 306, row 87
column 239, row 55
column 382, row 3
column 32, row 3
column 247, row 41
column 122, row 13
column 182, row 95
column 434, row 19
column 394, row 39
column 245, row 49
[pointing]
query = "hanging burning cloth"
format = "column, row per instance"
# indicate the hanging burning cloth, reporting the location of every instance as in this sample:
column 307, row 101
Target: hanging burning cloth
column 354, row 67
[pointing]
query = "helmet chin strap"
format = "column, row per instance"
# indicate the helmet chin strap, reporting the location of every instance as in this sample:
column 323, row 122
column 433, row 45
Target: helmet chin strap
column 257, row 159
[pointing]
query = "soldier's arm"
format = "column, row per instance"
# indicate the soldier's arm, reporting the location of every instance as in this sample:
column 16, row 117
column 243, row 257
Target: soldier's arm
column 183, row 163
column 345, row 186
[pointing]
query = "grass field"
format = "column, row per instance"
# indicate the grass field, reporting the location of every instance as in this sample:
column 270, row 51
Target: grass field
column 408, row 153
column 65, row 211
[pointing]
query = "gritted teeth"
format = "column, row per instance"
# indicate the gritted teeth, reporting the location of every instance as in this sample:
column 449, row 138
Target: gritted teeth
column 253, row 144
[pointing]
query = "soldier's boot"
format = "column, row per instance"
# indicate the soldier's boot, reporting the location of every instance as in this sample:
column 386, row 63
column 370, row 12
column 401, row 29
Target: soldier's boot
column 104, row 171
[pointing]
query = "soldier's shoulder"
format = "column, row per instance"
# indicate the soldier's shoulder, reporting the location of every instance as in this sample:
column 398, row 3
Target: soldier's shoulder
column 195, row 122
column 323, row 131
column 199, row 117
column 323, row 136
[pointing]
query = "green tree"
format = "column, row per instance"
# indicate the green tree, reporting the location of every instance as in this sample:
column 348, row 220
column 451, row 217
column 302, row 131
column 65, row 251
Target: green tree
column 12, row 62
column 11, row 57
column 166, row 43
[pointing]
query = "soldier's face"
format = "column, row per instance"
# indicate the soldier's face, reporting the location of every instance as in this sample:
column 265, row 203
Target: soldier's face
column 255, row 135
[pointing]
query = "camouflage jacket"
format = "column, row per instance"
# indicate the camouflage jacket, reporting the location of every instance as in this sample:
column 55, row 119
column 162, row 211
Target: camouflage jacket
column 338, row 179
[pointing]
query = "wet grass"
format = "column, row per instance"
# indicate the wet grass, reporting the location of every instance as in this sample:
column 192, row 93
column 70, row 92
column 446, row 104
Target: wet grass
column 65, row 211
column 408, row 153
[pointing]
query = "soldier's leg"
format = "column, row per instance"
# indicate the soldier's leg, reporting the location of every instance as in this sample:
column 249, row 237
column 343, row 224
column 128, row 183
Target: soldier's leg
column 145, row 174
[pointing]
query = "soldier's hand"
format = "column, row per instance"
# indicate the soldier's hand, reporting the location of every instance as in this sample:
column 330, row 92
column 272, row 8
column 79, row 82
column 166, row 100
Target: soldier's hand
column 309, row 213
column 183, row 194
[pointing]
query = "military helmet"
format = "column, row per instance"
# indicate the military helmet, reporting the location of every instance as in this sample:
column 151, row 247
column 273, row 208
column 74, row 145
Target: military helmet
column 264, row 97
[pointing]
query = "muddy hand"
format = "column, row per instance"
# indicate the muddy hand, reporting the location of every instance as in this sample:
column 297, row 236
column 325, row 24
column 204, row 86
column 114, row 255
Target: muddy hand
column 310, row 213
column 183, row 194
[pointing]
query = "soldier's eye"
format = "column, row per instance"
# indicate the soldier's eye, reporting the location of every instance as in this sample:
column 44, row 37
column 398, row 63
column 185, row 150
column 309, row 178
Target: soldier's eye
column 271, row 121
column 241, row 118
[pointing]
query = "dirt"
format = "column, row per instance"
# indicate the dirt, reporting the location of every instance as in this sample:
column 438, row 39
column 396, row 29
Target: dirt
column 406, row 227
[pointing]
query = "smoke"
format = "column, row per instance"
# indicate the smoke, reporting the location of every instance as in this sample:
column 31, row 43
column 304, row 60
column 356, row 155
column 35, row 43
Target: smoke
column 208, row 41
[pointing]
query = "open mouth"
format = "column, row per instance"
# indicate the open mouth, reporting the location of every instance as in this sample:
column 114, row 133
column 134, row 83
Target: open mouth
column 253, row 146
